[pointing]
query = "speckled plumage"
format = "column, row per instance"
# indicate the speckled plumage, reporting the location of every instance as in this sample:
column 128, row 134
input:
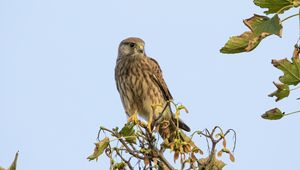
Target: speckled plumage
column 139, row 80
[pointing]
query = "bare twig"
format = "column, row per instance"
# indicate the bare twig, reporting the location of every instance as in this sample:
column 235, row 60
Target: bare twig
column 123, row 159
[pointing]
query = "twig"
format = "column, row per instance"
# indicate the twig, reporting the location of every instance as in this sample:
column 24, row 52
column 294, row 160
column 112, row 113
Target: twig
column 163, row 159
column 130, row 151
column 127, row 162
column 289, row 17
column 155, row 149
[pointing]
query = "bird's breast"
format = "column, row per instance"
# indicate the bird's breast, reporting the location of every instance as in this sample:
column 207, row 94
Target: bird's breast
column 134, row 81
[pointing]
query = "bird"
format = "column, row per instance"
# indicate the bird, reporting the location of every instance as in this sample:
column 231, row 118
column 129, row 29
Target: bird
column 140, row 83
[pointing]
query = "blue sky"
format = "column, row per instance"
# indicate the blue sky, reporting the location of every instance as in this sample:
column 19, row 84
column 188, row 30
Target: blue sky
column 57, row 84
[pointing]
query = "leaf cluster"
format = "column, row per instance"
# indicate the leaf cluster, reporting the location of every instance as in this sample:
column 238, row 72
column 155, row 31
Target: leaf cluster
column 137, row 145
column 262, row 26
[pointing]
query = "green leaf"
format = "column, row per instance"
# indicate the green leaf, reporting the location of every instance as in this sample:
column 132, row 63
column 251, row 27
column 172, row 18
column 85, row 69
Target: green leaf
column 128, row 132
column 291, row 70
column 282, row 91
column 99, row 149
column 273, row 114
column 276, row 6
column 260, row 26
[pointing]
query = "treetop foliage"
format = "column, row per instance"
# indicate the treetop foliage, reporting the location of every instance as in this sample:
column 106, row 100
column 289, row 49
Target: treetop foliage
column 262, row 26
column 135, row 145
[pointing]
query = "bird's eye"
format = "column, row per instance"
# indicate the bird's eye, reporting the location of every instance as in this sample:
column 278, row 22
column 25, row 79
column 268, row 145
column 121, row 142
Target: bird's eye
column 131, row 44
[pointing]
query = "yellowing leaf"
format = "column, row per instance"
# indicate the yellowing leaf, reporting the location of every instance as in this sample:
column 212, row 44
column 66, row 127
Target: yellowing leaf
column 260, row 26
column 276, row 6
column 99, row 149
column 181, row 107
column 273, row 114
column 282, row 91
column 242, row 43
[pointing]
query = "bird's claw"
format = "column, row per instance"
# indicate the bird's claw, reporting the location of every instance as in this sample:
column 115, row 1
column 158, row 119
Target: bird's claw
column 149, row 126
column 133, row 119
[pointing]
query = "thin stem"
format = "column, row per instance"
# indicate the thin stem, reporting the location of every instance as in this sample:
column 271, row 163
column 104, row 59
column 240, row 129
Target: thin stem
column 295, row 88
column 290, row 17
column 164, row 160
column 284, row 8
column 155, row 149
column 299, row 28
column 292, row 113
column 125, row 137
column 123, row 159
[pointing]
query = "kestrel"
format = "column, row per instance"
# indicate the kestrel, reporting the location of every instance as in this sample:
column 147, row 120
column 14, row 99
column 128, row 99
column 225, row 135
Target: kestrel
column 141, row 85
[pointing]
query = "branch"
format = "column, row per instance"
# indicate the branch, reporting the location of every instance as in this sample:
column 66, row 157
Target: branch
column 127, row 162
column 130, row 151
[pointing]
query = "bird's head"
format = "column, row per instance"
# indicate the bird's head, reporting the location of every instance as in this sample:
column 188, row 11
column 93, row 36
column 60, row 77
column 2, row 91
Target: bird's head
column 131, row 46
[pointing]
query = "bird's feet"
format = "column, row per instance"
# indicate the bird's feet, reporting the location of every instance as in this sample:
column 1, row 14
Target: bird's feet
column 149, row 125
column 133, row 119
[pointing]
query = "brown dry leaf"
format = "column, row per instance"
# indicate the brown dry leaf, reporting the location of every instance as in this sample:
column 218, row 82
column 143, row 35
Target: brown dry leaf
column 220, row 153
column 146, row 161
column 176, row 156
column 224, row 142
column 231, row 157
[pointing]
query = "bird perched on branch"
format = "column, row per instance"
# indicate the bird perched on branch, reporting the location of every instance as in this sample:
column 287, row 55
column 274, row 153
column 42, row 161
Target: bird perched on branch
column 140, row 83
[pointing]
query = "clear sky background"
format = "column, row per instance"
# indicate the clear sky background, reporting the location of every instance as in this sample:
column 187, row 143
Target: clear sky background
column 57, row 84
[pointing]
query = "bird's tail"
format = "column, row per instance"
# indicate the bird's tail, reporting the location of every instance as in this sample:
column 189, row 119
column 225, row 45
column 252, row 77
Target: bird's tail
column 168, row 124
column 180, row 122
column 182, row 125
column 170, row 129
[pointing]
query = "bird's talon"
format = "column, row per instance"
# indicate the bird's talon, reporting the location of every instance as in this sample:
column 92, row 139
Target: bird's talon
column 133, row 119
column 149, row 127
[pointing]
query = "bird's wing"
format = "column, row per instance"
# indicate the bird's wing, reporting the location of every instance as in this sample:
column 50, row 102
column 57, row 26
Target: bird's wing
column 158, row 78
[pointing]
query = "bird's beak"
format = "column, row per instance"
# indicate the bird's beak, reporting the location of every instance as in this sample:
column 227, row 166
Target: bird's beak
column 140, row 48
